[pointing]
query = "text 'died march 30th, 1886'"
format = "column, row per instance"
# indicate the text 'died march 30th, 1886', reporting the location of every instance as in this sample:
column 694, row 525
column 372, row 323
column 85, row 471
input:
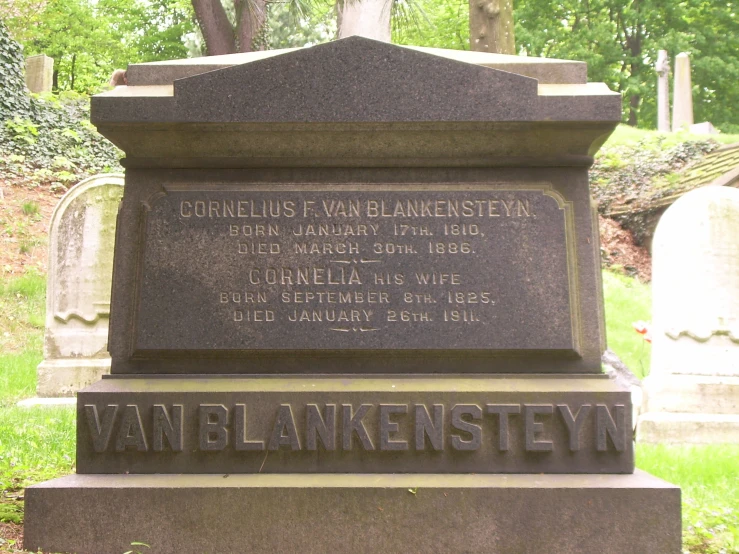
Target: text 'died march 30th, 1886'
column 392, row 268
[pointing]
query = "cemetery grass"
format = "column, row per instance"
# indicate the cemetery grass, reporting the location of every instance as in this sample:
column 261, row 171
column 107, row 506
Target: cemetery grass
column 627, row 301
column 38, row 444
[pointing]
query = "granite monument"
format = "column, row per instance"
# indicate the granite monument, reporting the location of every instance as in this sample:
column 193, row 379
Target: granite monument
column 356, row 307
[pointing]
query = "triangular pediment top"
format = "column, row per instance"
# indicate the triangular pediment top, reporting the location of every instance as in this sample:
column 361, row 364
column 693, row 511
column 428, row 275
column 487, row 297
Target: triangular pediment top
column 356, row 79
column 545, row 70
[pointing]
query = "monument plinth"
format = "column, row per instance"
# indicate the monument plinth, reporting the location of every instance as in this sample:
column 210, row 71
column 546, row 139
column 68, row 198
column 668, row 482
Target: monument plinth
column 353, row 285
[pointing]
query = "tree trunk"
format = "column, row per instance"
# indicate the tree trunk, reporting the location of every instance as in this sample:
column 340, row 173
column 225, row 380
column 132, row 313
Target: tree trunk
column 251, row 17
column 366, row 18
column 491, row 26
column 71, row 71
column 215, row 26
column 634, row 101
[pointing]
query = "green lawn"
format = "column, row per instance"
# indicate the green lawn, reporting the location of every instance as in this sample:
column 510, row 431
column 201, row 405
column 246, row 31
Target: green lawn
column 625, row 134
column 37, row 444
column 627, row 301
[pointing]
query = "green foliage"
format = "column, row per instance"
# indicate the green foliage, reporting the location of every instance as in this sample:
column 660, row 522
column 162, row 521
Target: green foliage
column 631, row 173
column 89, row 39
column 30, row 208
column 619, row 40
column 53, row 130
column 13, row 99
column 36, row 444
column 709, row 478
column 291, row 28
column 11, row 512
column 626, row 302
column 436, row 24
column 22, row 306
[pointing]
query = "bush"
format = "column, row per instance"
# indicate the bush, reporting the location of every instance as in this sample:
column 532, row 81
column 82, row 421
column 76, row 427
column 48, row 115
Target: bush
column 14, row 99
column 42, row 129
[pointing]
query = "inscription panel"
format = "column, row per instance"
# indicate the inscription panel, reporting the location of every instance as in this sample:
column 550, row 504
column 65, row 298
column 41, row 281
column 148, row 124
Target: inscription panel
column 267, row 430
column 239, row 269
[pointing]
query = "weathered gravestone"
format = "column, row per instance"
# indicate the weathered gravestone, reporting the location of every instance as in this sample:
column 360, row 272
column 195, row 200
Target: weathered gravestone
column 354, row 285
column 692, row 392
column 81, row 238
column 39, row 73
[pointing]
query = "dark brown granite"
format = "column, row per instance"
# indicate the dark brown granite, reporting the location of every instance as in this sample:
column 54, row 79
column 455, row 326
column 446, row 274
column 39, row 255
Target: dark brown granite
column 187, row 290
column 364, row 425
column 321, row 269
column 223, row 364
column 183, row 514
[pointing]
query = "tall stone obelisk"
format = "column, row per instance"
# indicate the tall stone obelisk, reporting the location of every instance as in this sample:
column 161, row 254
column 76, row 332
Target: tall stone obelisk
column 663, row 91
column 682, row 102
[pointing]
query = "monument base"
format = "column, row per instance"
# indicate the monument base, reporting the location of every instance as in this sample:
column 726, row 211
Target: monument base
column 690, row 409
column 355, row 513
column 688, row 428
column 66, row 376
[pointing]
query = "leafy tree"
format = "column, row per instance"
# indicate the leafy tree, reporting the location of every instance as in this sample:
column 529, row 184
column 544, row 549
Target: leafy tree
column 620, row 38
column 439, row 25
column 88, row 39
column 291, row 30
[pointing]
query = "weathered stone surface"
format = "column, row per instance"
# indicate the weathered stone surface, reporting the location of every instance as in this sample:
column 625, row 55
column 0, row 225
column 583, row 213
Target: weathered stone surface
column 422, row 109
column 193, row 390
column 546, row 71
column 81, row 237
column 682, row 104
column 662, row 67
column 39, row 73
column 173, row 270
column 695, row 354
column 394, row 268
column 355, row 513
column 364, row 425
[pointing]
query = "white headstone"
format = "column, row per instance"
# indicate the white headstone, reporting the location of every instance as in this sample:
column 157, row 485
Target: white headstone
column 663, row 91
column 692, row 392
column 682, row 101
column 703, row 128
column 81, row 239
column 39, row 73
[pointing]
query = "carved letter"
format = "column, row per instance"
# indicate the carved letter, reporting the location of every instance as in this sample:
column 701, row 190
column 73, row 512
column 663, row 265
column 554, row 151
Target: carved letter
column 100, row 432
column 240, row 442
column 503, row 410
column 325, row 428
column 534, row 427
column 131, row 432
column 213, row 420
column 605, row 427
column 353, row 424
column 574, row 423
column 284, row 432
column 164, row 426
column 387, row 426
column 433, row 430
column 460, row 424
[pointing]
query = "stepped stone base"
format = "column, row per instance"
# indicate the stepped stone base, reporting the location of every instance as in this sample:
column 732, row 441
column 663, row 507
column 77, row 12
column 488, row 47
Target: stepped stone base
column 688, row 428
column 355, row 513
column 60, row 377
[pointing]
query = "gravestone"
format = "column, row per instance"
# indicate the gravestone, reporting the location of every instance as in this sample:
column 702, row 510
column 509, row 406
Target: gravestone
column 692, row 392
column 662, row 67
column 682, row 100
column 81, row 239
column 39, row 73
column 356, row 307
